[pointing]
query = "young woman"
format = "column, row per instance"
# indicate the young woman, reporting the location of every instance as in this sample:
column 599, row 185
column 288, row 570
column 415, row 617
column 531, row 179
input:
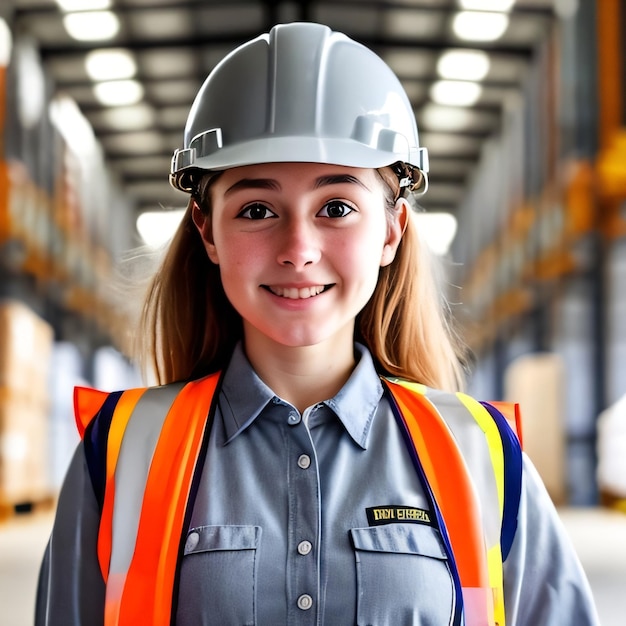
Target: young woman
column 279, row 474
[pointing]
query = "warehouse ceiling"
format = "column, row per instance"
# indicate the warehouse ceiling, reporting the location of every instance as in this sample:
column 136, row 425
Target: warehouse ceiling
column 175, row 43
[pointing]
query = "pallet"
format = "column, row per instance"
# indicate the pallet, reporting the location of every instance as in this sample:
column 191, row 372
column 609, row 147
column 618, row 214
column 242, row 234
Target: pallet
column 9, row 509
column 613, row 501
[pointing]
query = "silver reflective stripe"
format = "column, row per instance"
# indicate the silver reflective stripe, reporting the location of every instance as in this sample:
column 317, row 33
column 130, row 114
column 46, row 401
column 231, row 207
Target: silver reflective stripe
column 131, row 473
column 472, row 442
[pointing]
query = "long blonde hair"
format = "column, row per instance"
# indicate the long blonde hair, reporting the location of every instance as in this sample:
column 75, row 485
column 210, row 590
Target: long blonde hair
column 188, row 327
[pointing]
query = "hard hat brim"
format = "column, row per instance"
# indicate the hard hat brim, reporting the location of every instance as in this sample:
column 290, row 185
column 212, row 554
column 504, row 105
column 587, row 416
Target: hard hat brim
column 334, row 151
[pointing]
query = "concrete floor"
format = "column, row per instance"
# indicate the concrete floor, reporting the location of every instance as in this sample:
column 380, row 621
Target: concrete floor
column 599, row 537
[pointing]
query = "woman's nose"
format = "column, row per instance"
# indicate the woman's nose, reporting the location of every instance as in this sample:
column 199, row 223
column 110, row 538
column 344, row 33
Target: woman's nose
column 299, row 245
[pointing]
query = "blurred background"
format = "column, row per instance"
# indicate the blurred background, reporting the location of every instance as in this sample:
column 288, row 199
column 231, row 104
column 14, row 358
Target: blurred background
column 522, row 106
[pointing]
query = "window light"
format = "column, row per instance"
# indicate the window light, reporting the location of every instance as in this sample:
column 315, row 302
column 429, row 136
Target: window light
column 157, row 227
column 480, row 26
column 118, row 92
column 463, row 65
column 455, row 92
column 110, row 64
column 487, row 5
column 91, row 25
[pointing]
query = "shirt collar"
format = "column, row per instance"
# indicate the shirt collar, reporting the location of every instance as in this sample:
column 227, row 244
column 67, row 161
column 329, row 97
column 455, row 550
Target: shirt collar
column 244, row 396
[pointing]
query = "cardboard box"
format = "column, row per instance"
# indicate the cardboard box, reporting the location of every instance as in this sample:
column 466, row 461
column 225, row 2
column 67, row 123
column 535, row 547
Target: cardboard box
column 25, row 350
column 23, row 450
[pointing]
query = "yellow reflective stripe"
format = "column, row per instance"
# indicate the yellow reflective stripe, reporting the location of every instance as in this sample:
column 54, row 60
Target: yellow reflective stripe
column 494, row 563
column 496, row 452
column 407, row 384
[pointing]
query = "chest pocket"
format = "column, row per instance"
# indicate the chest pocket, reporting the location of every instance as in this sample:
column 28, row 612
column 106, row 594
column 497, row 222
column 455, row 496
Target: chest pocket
column 218, row 576
column 403, row 576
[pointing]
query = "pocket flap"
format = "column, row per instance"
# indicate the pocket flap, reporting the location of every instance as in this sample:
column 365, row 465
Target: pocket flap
column 206, row 538
column 400, row 538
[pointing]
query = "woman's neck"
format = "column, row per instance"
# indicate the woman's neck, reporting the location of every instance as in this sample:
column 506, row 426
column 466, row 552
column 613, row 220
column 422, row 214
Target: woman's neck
column 304, row 375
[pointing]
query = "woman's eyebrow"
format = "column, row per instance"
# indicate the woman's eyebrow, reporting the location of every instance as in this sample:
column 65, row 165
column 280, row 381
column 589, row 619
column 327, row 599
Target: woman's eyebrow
column 338, row 179
column 253, row 183
column 274, row 185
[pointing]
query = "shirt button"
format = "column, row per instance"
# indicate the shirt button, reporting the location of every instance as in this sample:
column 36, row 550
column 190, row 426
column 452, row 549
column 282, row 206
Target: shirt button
column 294, row 418
column 304, row 461
column 304, row 547
column 305, row 602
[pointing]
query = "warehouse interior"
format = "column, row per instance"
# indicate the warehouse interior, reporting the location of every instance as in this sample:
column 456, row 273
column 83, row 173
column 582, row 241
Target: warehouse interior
column 522, row 106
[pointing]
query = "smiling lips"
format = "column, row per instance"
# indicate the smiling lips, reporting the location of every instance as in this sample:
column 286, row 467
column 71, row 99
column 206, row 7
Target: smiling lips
column 295, row 293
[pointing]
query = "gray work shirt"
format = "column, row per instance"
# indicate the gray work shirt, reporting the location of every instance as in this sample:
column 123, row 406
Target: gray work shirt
column 279, row 532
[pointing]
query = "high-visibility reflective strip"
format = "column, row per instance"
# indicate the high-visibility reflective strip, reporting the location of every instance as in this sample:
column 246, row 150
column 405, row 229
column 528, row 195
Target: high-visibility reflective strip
column 147, row 595
column 494, row 441
column 123, row 410
column 479, row 440
column 496, row 452
column 469, row 436
column 140, row 426
column 455, row 495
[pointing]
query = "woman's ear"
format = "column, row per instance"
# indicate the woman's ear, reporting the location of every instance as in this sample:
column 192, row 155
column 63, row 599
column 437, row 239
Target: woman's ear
column 202, row 223
column 395, row 229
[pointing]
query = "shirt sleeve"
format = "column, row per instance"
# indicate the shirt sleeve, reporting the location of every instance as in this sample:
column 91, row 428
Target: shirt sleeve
column 544, row 583
column 71, row 589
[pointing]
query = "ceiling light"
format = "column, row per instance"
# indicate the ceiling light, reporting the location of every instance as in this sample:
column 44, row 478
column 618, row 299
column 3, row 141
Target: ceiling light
column 487, row 5
column 480, row 26
column 118, row 92
column 91, row 25
column 6, row 43
column 455, row 92
column 463, row 65
column 110, row 64
column 158, row 227
column 137, row 117
column 437, row 230
column 83, row 5
column 434, row 117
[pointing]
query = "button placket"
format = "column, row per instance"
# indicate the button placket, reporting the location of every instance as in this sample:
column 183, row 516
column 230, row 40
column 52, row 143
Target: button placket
column 303, row 564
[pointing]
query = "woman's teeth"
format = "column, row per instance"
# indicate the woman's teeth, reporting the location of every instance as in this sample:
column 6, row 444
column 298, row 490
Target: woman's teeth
column 293, row 293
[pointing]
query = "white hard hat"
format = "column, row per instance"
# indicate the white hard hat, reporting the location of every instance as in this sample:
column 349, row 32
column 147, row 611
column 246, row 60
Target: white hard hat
column 301, row 93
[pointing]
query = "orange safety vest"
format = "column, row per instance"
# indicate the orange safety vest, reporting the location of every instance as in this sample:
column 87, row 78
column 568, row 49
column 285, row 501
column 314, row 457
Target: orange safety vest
column 452, row 439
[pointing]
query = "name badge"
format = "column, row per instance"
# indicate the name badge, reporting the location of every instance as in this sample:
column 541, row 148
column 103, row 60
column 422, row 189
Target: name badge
column 391, row 514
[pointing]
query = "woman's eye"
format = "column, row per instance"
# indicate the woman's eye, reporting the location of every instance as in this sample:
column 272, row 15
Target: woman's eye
column 336, row 208
column 256, row 211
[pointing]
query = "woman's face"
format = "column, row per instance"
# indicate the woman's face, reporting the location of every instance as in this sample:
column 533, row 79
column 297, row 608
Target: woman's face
column 299, row 247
